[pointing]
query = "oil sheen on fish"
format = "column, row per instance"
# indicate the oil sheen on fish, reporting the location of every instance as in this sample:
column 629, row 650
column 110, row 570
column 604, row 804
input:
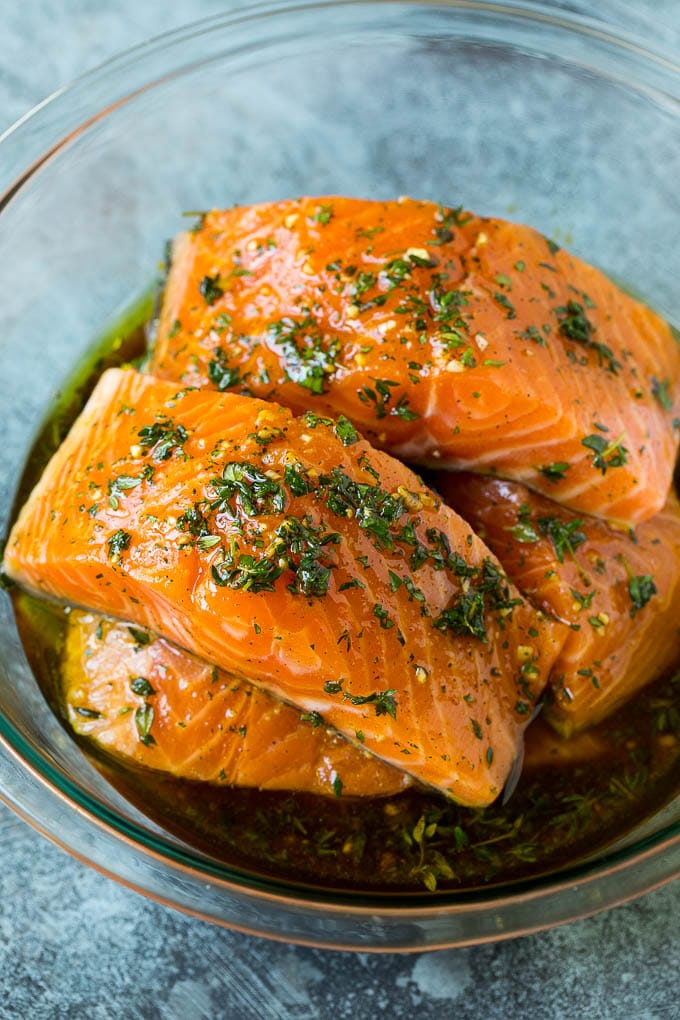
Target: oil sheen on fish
column 146, row 701
column 618, row 591
column 290, row 553
column 446, row 338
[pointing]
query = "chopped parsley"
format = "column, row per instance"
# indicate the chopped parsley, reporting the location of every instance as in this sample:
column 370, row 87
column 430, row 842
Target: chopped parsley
column 606, row 454
column 641, row 588
column 374, row 509
column 123, row 483
column 87, row 713
column 661, row 393
column 488, row 591
column 346, row 432
column 314, row 718
column 333, row 686
column 245, row 487
column 575, row 325
column 524, row 531
column 210, row 289
column 140, row 685
column 142, row 637
column 297, row 546
column 220, row 373
column 555, row 472
column 505, row 302
column 297, row 479
column 164, row 437
column 144, row 716
column 307, row 357
column 324, row 214
column 301, row 541
column 380, row 396
column 118, row 542
column 386, row 622
column 583, row 601
column 246, row 573
column 564, row 535
column 194, row 521
column 384, row 702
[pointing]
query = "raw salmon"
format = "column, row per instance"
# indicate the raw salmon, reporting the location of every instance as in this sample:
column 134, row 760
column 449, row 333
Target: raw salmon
column 443, row 336
column 147, row 701
column 618, row 591
column 290, row 553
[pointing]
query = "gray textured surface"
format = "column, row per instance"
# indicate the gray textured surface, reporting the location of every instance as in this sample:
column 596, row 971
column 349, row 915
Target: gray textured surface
column 76, row 945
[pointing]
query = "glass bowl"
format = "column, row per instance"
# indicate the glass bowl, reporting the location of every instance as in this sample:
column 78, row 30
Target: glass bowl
column 510, row 109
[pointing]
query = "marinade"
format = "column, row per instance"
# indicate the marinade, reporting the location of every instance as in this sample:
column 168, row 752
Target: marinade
column 573, row 798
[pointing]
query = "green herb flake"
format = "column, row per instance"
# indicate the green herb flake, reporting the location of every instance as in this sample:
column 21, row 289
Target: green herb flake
column 380, row 396
column 324, row 214
column 87, row 713
column 163, row 437
column 555, row 472
column 118, row 542
column 144, row 716
column 346, row 432
column 220, row 373
column 661, row 393
column 583, row 601
column 210, row 289
column 308, row 357
column 505, row 302
column 524, row 532
column 140, row 685
column 384, row 702
column 386, row 622
column 141, row 637
column 297, row 480
column 333, row 686
column 487, row 592
column 207, row 542
column 244, row 488
column 641, row 588
column 564, row 536
column 606, row 454
column 575, row 325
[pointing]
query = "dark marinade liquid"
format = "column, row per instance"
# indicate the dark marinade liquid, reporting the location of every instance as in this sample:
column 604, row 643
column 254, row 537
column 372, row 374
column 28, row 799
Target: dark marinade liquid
column 561, row 811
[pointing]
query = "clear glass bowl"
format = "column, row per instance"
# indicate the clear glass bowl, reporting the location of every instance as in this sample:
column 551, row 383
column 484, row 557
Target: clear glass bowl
column 511, row 109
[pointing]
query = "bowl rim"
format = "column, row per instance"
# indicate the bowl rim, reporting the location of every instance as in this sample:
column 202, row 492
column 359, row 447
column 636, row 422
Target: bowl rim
column 650, row 850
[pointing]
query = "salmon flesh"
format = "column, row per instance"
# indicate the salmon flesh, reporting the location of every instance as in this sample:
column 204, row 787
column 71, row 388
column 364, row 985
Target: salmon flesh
column 290, row 553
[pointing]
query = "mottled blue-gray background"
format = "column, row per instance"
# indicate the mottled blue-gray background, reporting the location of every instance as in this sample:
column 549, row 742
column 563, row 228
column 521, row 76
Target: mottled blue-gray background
column 75, row 945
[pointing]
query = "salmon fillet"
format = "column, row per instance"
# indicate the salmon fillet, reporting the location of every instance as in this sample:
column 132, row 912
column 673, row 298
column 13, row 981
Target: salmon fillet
column 290, row 553
column 618, row 591
column 447, row 338
column 148, row 702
